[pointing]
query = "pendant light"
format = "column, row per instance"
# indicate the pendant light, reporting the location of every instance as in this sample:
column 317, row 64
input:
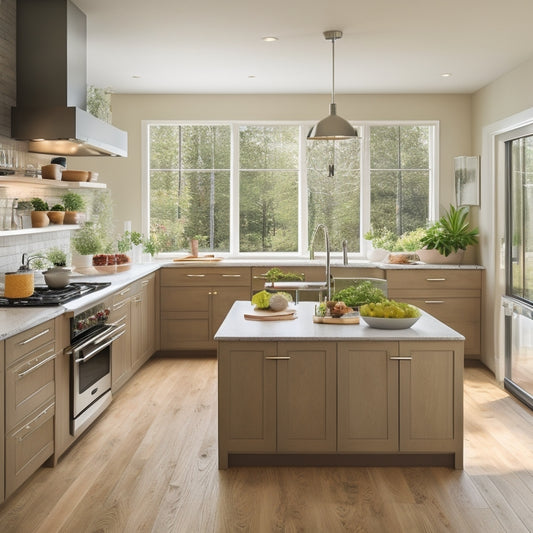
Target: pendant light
column 333, row 127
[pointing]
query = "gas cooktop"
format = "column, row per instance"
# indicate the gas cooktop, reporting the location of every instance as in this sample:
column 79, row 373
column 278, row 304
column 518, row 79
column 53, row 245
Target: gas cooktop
column 44, row 296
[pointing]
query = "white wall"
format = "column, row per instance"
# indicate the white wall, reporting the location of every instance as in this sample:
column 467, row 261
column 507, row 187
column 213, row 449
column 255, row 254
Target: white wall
column 123, row 175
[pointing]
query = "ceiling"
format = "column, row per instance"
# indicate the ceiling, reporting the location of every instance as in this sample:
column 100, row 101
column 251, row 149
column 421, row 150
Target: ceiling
column 389, row 46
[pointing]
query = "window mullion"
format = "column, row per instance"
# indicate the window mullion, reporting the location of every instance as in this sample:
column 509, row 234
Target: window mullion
column 303, row 225
column 365, row 186
column 234, row 191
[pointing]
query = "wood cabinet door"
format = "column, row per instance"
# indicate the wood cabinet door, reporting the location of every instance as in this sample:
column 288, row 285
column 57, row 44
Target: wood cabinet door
column 121, row 352
column 143, row 322
column 222, row 298
column 431, row 397
column 306, row 396
column 246, row 398
column 367, row 397
column 2, row 440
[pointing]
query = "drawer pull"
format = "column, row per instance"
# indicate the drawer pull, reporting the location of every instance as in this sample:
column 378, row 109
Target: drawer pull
column 145, row 282
column 196, row 275
column 28, row 426
column 30, row 370
column 435, row 279
column 261, row 276
column 125, row 291
column 277, row 358
column 400, row 358
column 231, row 275
column 433, row 301
column 138, row 300
column 120, row 305
column 40, row 334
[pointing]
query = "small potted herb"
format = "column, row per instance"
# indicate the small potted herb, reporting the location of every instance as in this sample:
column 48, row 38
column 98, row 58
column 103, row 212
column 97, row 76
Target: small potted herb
column 57, row 214
column 39, row 215
column 74, row 205
column 57, row 277
column 86, row 243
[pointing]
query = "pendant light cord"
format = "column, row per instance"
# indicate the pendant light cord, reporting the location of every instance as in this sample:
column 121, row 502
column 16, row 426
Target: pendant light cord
column 333, row 70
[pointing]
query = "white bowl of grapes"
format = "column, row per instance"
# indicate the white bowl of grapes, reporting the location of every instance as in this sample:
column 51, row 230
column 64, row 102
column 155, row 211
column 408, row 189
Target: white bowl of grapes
column 389, row 314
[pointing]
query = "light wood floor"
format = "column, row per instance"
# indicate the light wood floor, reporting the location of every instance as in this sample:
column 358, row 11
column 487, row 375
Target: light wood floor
column 150, row 464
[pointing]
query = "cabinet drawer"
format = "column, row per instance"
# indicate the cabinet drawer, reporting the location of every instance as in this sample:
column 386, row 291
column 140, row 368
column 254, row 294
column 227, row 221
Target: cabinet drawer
column 122, row 297
column 185, row 299
column 433, row 279
column 29, row 383
column 28, row 446
column 29, row 340
column 178, row 333
column 205, row 276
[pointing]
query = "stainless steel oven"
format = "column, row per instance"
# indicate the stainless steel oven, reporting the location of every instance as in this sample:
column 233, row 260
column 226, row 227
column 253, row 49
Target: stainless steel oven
column 90, row 355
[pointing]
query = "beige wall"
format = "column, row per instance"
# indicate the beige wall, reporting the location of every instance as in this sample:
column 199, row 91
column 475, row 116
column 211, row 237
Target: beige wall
column 123, row 175
column 506, row 101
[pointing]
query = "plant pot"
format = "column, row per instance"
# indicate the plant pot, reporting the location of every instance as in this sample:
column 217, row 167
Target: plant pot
column 56, row 217
column 74, row 217
column 82, row 261
column 434, row 257
column 377, row 254
column 39, row 219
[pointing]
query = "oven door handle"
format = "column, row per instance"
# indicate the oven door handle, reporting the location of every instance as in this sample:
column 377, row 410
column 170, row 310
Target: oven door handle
column 111, row 330
column 99, row 349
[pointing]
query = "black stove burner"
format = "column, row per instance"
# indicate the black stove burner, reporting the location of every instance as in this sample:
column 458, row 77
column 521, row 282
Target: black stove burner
column 44, row 296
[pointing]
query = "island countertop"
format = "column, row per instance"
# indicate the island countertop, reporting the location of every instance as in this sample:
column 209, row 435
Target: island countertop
column 236, row 328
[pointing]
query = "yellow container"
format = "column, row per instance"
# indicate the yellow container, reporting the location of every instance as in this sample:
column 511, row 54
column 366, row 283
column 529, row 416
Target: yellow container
column 19, row 284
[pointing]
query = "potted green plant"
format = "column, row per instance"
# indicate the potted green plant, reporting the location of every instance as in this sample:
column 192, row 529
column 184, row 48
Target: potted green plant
column 150, row 246
column 57, row 214
column 57, row 276
column 86, row 242
column 74, row 205
column 447, row 239
column 39, row 215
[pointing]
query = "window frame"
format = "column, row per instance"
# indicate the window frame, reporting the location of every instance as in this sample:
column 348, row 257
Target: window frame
column 363, row 128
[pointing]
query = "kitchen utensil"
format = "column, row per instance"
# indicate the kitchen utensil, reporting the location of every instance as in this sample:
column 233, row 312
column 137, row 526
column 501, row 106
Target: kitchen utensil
column 57, row 277
column 75, row 175
column 51, row 172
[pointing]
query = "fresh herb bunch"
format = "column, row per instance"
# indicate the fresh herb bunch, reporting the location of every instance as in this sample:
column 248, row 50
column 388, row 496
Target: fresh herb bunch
column 39, row 204
column 275, row 274
column 73, row 201
column 361, row 292
column 57, row 257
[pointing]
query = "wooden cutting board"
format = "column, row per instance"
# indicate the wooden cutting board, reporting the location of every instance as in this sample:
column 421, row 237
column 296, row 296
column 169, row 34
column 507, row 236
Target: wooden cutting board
column 266, row 314
column 203, row 258
column 338, row 321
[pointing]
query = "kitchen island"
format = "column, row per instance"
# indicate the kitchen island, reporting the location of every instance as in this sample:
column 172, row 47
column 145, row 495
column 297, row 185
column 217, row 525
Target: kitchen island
column 294, row 392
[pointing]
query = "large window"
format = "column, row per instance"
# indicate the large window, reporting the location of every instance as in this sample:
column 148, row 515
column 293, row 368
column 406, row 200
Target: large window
column 263, row 188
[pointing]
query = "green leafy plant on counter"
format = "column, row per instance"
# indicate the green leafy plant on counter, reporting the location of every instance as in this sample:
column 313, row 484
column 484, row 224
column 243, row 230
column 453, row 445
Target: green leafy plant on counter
column 86, row 241
column 150, row 246
column 275, row 274
column 385, row 239
column 451, row 232
column 361, row 292
column 39, row 204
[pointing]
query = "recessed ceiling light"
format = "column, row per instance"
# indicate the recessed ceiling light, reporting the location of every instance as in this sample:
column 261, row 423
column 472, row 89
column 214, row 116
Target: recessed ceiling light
column 446, row 75
column 251, row 76
column 136, row 77
column 270, row 39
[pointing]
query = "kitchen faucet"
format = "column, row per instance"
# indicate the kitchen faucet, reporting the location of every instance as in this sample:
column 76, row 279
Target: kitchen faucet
column 312, row 255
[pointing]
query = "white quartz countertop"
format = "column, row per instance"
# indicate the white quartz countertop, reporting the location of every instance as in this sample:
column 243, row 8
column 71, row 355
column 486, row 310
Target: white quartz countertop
column 15, row 320
column 236, row 328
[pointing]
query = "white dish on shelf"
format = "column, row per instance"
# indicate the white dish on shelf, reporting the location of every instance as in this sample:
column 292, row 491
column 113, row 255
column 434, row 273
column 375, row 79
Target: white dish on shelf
column 389, row 323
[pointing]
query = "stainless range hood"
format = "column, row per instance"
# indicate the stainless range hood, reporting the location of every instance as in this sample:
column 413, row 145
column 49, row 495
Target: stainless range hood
column 52, row 84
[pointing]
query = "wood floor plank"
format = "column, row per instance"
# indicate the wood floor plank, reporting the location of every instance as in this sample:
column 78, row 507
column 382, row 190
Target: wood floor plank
column 149, row 464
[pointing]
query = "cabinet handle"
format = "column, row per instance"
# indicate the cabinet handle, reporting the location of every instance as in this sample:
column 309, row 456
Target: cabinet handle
column 231, row 275
column 138, row 300
column 260, row 276
column 120, row 305
column 433, row 301
column 29, row 424
column 435, row 279
column 125, row 291
column 400, row 358
column 30, row 370
column 277, row 358
column 196, row 275
column 40, row 334
column 145, row 282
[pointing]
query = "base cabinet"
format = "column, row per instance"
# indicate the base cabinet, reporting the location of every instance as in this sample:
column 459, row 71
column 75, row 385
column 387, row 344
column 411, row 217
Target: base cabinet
column 361, row 397
column 400, row 396
column 277, row 397
column 120, row 316
column 143, row 321
column 194, row 302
